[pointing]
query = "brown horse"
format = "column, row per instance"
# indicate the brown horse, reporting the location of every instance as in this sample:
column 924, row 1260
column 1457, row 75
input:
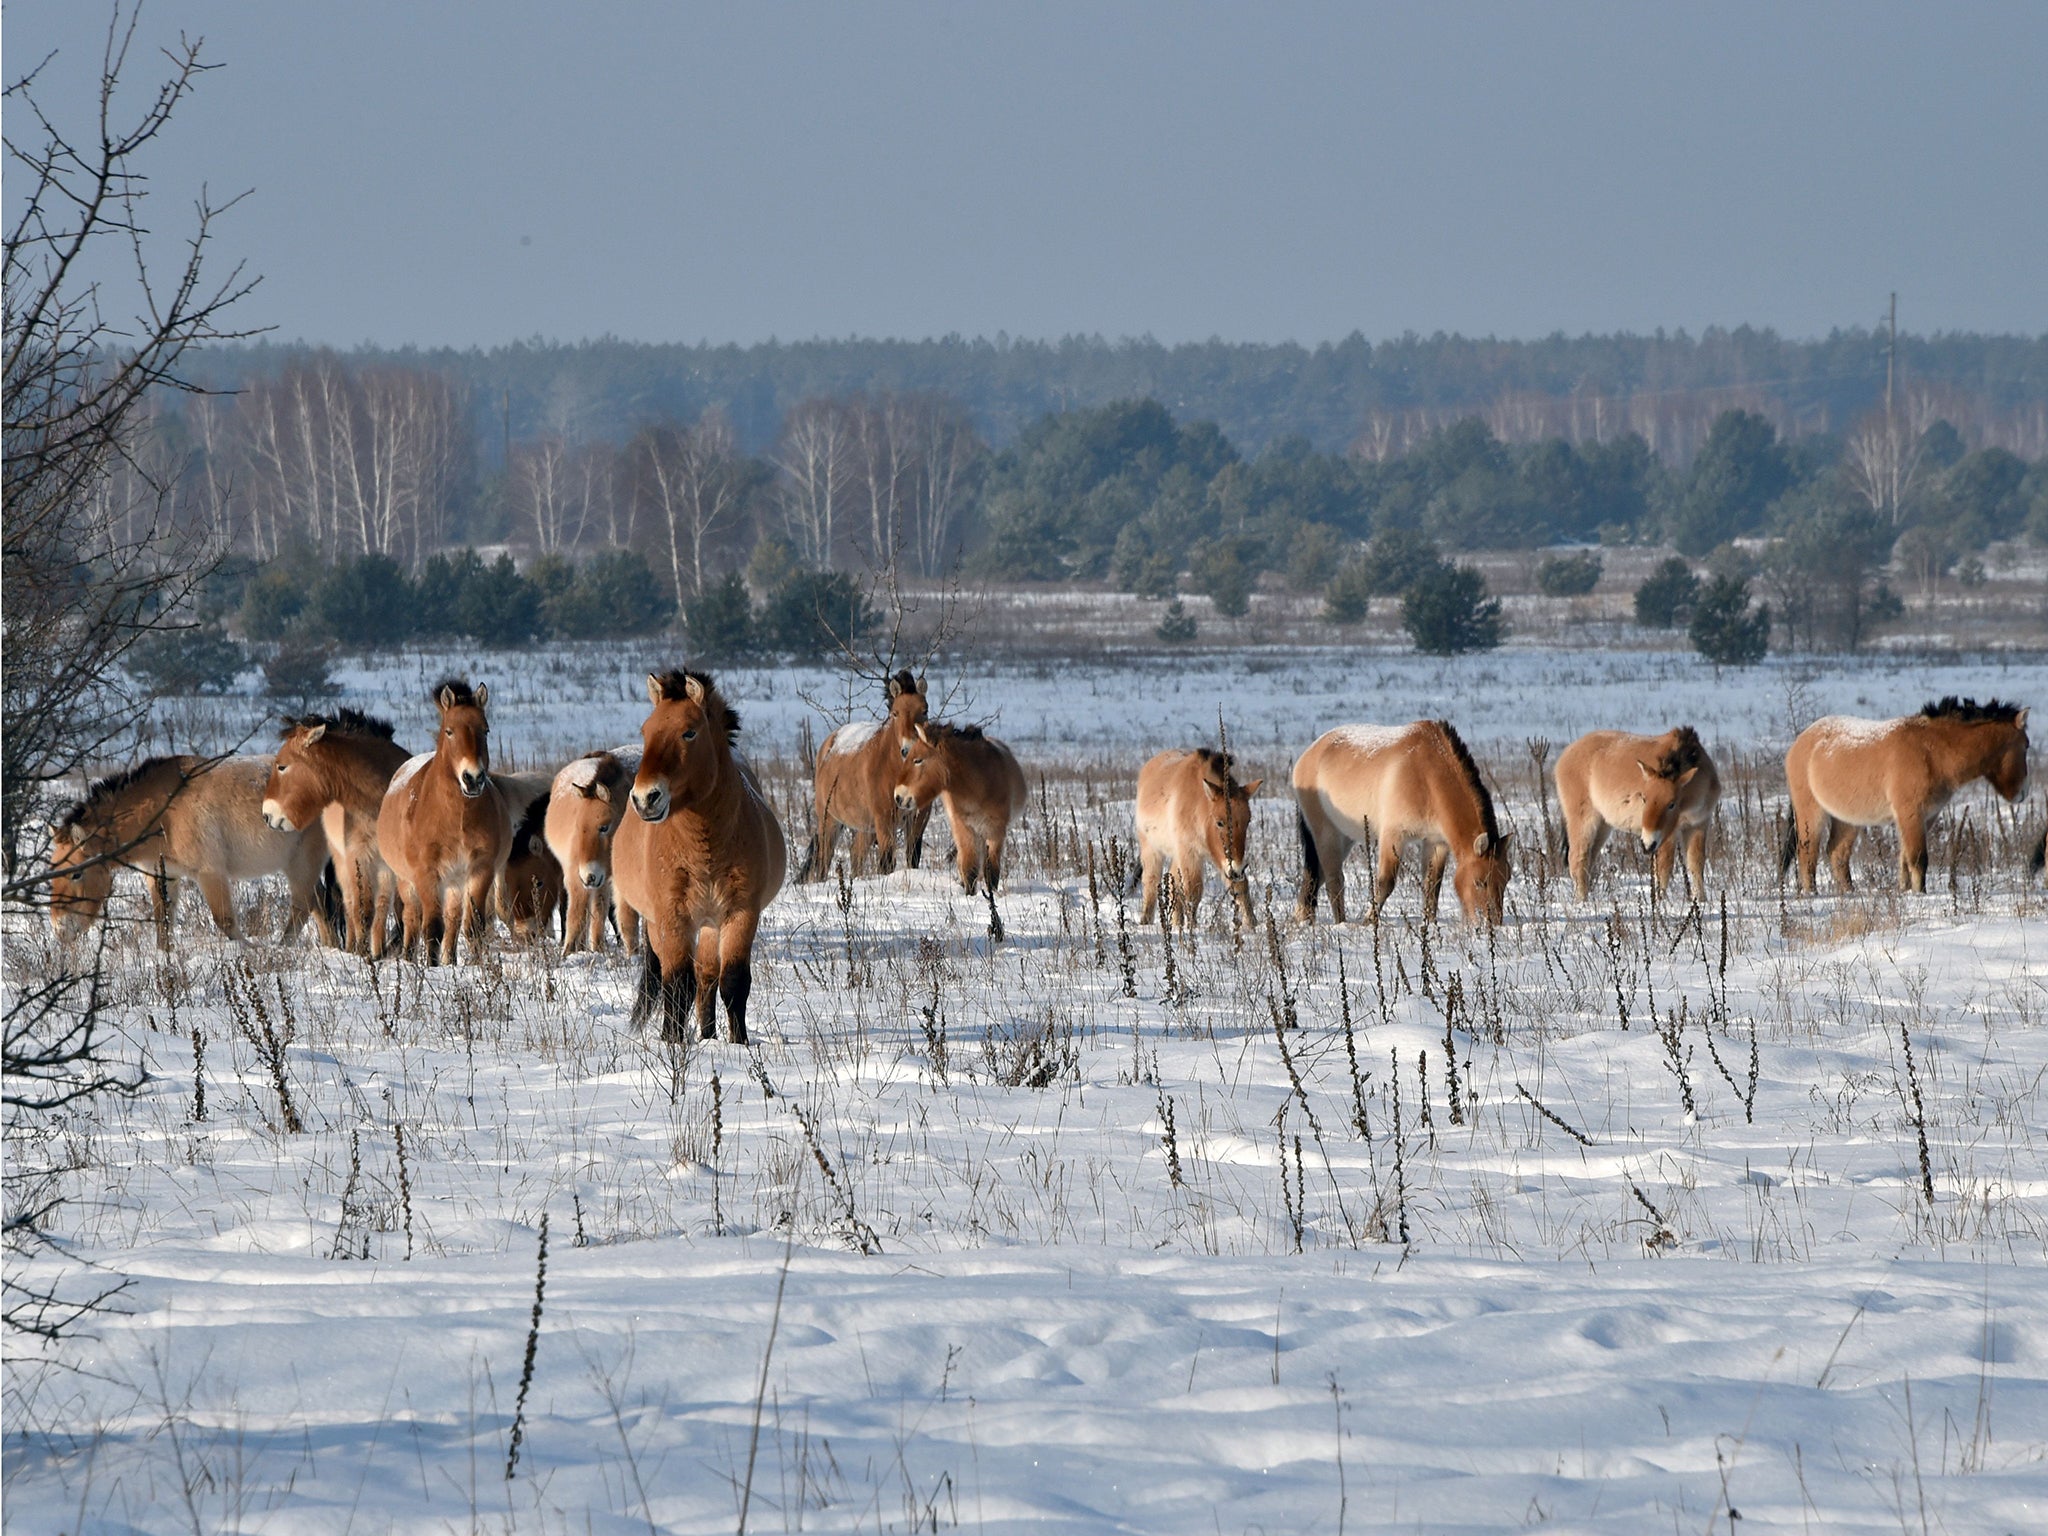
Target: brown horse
column 859, row 767
column 444, row 828
column 528, row 892
column 699, row 859
column 183, row 816
column 1664, row 788
column 1403, row 784
column 1191, row 807
column 977, row 778
column 1846, row 774
column 584, row 809
column 332, row 771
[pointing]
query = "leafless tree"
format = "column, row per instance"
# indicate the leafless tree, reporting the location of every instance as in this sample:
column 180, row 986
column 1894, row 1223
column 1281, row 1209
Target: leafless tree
column 93, row 557
column 817, row 463
column 693, row 482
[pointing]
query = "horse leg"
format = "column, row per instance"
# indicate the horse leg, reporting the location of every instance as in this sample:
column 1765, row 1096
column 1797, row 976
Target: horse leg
column 576, row 927
column 992, row 857
column 669, row 955
column 1696, row 861
column 220, row 902
column 913, row 835
column 1151, row 860
column 1841, row 843
column 1809, row 824
column 163, row 903
column 1584, row 836
column 1912, row 850
column 966, row 847
column 706, row 999
column 1661, row 866
column 454, row 898
column 1187, row 889
column 828, row 846
column 1433, row 880
column 476, row 909
column 1383, row 878
column 647, row 996
column 736, row 972
column 628, row 920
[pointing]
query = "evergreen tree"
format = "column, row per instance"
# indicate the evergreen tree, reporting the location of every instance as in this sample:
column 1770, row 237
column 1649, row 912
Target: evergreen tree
column 1665, row 599
column 1740, row 471
column 1725, row 629
column 1176, row 626
column 1447, row 612
column 720, row 620
column 1568, row 575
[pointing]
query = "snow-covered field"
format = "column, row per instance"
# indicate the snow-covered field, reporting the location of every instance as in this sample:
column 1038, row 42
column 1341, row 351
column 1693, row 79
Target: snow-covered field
column 1074, row 1229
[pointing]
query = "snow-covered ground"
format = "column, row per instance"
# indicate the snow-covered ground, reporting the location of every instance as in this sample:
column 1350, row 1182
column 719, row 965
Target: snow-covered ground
column 1003, row 1235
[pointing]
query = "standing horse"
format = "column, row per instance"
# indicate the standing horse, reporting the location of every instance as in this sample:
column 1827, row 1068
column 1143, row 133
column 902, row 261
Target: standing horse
column 859, row 767
column 333, row 770
column 1663, row 787
column 584, row 809
column 1403, row 784
column 528, row 892
column 444, row 828
column 699, row 859
column 981, row 786
column 181, row 816
column 1191, row 807
column 1846, row 774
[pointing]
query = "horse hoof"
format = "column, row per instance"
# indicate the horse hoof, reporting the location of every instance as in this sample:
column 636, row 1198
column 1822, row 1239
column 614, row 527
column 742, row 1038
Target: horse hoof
column 739, row 1035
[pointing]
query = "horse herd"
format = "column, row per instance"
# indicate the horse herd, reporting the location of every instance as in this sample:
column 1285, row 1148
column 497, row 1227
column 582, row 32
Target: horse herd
column 674, row 840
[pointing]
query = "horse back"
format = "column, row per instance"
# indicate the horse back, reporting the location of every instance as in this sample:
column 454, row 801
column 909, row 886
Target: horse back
column 215, row 824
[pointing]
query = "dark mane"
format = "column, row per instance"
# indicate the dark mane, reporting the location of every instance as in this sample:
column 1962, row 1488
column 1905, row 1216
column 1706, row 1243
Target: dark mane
column 1218, row 766
column 610, row 772
column 964, row 732
column 1464, row 756
column 1970, row 712
column 532, row 825
column 674, row 686
column 902, row 682
column 343, row 722
column 1686, row 754
column 105, row 789
column 464, row 694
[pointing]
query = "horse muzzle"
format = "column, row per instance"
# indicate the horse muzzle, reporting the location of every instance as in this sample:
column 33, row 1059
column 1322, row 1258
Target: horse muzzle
column 905, row 800
column 593, row 877
column 472, row 785
column 275, row 818
column 652, row 808
column 1234, row 873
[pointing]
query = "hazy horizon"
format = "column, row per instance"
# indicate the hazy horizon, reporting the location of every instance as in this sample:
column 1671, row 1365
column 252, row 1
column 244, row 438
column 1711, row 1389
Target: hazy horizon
column 426, row 176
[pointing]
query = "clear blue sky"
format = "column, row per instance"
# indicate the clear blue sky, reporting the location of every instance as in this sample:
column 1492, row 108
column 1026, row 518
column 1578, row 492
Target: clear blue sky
column 471, row 174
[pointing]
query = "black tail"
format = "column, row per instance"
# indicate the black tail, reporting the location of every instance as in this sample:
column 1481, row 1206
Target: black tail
column 648, row 997
column 1311, row 863
column 2039, row 857
column 331, row 902
column 810, row 858
column 1789, row 849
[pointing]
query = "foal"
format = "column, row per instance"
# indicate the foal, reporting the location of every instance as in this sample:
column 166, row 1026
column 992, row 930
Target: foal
column 1404, row 784
column 859, row 767
column 1663, row 787
column 584, row 809
column 1190, row 807
column 1846, row 774
column 333, row 770
column 698, row 860
column 981, row 786
column 444, row 828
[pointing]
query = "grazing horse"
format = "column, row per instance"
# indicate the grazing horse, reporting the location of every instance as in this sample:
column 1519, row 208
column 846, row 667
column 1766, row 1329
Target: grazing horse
column 528, row 892
column 699, row 859
column 181, row 816
column 981, row 786
column 1403, row 784
column 859, row 767
column 333, row 770
column 1663, row 787
column 1846, row 774
column 1191, row 807
column 444, row 828
column 584, row 809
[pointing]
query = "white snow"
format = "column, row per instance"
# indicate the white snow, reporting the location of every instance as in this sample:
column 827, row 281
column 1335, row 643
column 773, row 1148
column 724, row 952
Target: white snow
column 1370, row 738
column 407, row 769
column 852, row 737
column 1064, row 1317
column 1854, row 730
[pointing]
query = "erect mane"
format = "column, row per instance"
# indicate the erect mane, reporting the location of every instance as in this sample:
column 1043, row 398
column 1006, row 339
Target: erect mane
column 1970, row 712
column 963, row 732
column 1463, row 755
column 343, row 722
column 1218, row 767
column 1686, row 753
column 105, row 789
column 532, row 824
column 674, row 685
column 903, row 682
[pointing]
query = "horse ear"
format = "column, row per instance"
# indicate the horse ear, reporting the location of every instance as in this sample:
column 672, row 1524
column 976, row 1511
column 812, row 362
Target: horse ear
column 316, row 732
column 923, row 735
column 2020, row 719
column 895, row 688
column 445, row 699
column 483, row 694
column 1686, row 777
column 1252, row 788
column 920, row 685
column 1648, row 772
column 693, row 688
column 653, row 689
column 1480, row 844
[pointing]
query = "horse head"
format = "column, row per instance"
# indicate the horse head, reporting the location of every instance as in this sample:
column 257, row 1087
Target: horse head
column 1228, row 808
column 295, row 792
column 684, row 743
column 80, row 881
column 1481, row 877
column 595, row 813
column 2008, row 772
column 465, row 739
column 1661, row 794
